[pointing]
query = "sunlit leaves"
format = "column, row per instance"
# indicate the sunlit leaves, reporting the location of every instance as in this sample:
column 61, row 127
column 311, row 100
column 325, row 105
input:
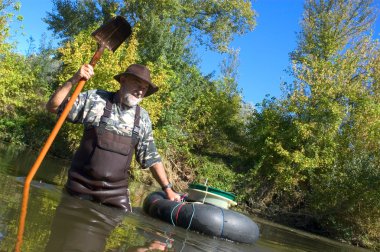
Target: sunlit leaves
column 318, row 147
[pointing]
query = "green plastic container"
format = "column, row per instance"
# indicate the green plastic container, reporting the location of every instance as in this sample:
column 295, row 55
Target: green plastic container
column 211, row 195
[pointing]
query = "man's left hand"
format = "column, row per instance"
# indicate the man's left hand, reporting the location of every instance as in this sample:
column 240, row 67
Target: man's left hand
column 171, row 195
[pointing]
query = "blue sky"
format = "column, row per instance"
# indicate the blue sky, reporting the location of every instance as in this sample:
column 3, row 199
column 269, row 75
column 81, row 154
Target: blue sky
column 264, row 52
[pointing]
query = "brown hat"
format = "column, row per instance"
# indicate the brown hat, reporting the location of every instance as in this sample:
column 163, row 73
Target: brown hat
column 141, row 72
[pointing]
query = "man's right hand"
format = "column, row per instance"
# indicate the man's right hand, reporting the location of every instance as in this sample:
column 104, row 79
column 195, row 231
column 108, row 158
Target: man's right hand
column 86, row 72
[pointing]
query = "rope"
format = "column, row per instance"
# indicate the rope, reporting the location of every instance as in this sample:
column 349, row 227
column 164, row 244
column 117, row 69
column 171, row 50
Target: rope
column 183, row 245
column 169, row 243
column 180, row 205
column 154, row 201
column 179, row 209
column 171, row 214
column 204, row 198
column 183, row 196
column 192, row 215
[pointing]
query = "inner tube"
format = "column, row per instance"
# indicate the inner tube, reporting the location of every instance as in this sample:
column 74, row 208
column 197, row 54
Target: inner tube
column 203, row 218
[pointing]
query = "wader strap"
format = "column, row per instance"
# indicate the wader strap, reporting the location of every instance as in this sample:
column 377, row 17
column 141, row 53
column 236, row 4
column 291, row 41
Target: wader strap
column 136, row 127
column 106, row 113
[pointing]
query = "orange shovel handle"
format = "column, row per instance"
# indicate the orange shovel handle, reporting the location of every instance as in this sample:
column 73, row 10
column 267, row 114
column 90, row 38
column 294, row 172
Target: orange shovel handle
column 47, row 146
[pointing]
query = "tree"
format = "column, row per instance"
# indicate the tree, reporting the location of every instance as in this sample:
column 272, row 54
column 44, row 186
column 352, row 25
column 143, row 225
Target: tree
column 317, row 147
column 212, row 22
column 331, row 26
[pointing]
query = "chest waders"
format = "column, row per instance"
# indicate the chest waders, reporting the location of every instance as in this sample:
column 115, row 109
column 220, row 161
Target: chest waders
column 100, row 167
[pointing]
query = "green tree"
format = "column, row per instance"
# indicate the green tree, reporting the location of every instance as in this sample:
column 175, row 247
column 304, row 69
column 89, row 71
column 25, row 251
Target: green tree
column 317, row 152
column 213, row 22
column 24, row 85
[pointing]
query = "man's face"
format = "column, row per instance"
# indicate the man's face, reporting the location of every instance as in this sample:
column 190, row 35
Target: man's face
column 132, row 90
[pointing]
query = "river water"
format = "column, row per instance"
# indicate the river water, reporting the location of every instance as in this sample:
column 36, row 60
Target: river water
column 58, row 222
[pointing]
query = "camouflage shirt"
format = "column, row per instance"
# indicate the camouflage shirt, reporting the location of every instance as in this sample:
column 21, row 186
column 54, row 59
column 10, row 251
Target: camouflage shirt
column 88, row 109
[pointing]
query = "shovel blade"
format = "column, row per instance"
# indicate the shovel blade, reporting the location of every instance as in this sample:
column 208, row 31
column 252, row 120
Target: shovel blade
column 113, row 33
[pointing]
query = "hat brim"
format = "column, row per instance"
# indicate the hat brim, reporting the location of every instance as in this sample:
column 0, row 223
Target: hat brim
column 151, row 89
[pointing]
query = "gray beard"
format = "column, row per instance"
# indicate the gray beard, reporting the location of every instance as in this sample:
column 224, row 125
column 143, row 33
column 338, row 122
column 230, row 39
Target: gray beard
column 130, row 100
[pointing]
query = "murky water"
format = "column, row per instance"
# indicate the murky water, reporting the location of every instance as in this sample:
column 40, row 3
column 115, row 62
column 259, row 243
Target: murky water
column 58, row 222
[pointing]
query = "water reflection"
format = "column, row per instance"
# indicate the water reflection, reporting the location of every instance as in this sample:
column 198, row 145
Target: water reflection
column 16, row 161
column 81, row 225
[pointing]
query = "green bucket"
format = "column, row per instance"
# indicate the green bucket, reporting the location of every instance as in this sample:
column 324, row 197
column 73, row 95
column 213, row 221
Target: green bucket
column 214, row 190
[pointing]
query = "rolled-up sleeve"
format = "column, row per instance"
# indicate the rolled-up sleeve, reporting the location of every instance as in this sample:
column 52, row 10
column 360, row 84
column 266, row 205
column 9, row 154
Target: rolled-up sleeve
column 146, row 151
column 76, row 113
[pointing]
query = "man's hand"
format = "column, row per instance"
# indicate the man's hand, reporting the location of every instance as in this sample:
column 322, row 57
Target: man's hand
column 171, row 195
column 159, row 174
column 86, row 72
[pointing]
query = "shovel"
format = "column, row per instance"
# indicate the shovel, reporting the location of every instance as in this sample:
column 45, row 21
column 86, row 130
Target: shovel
column 110, row 35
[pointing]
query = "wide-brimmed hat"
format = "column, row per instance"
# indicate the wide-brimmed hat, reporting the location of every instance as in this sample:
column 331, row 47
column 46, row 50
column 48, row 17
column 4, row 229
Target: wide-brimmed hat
column 141, row 72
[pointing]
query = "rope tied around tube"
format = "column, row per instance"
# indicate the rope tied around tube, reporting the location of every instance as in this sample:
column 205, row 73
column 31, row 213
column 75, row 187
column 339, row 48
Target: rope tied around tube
column 179, row 206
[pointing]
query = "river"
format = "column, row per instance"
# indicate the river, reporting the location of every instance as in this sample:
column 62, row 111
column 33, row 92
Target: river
column 58, row 222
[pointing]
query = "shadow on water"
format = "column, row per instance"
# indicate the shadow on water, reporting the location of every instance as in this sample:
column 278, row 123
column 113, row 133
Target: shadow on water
column 58, row 222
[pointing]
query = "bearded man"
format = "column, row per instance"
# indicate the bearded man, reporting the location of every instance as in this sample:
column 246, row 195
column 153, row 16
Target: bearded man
column 115, row 127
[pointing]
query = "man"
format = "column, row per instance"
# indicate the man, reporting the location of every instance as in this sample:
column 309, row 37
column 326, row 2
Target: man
column 114, row 127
